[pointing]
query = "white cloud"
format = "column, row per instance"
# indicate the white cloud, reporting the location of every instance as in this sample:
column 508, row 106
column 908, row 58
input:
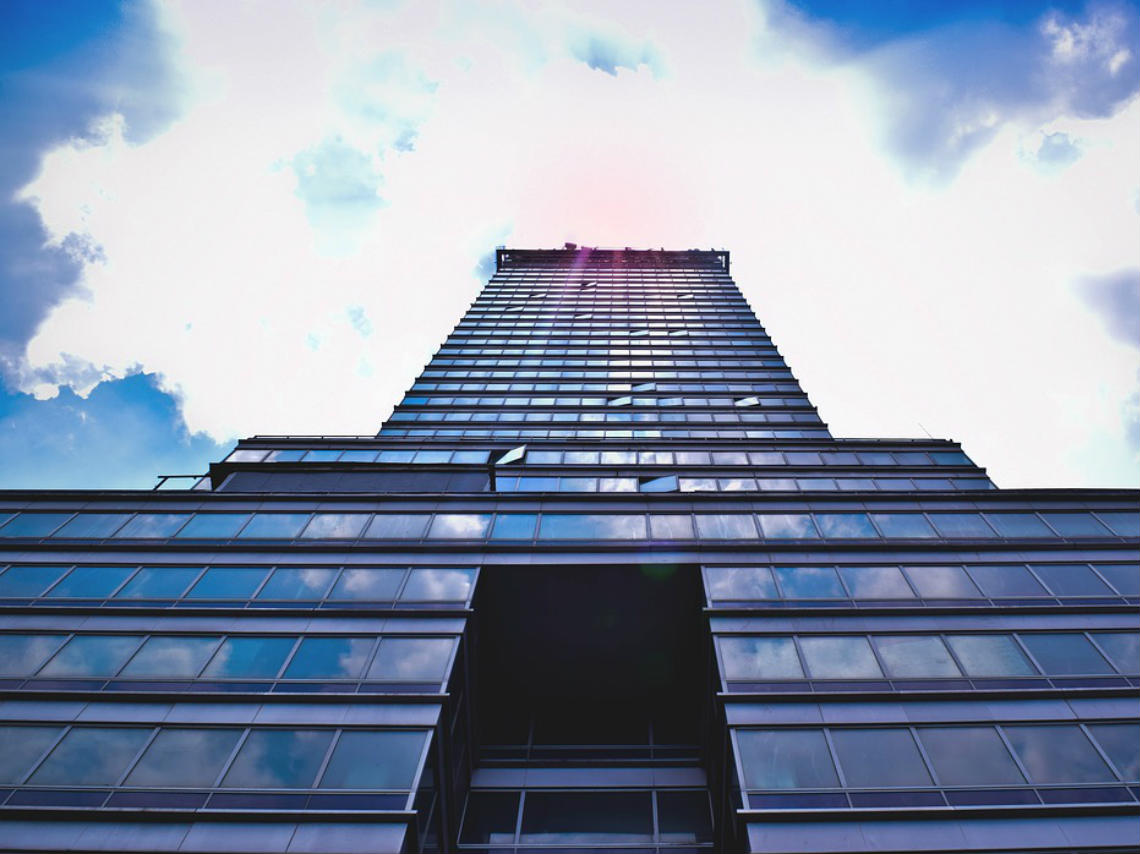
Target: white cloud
column 895, row 304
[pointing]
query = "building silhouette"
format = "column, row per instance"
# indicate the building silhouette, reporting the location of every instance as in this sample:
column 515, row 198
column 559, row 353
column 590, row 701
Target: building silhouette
column 604, row 581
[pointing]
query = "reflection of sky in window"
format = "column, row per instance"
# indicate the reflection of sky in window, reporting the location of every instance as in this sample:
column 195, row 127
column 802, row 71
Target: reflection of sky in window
column 740, row 582
column 278, row 759
column 942, row 582
column 726, row 526
column 903, row 526
column 1057, row 754
column 330, row 658
column 371, row 584
column 91, row 526
column 93, row 655
column 459, row 526
column 969, row 756
column 335, row 526
column 809, row 582
column 171, row 657
column 759, row 658
column 184, row 757
column 298, row 583
column 150, row 526
column 438, row 584
column 397, row 526
column 159, row 582
column 213, row 526
column 91, row 757
column 785, row 759
column 671, row 527
column 961, row 525
column 1019, row 525
column 788, row 526
column 1075, row 525
column 91, row 582
column 910, row 655
column 879, row 757
column 990, row 655
column 876, row 582
column 845, row 526
column 514, row 526
column 1064, row 654
column 1122, row 648
column 375, row 760
column 413, row 659
column 33, row 524
column 612, row 526
column 20, row 746
column 999, row 581
column 274, row 526
column 23, row 654
column 847, row 657
column 249, row 657
column 228, row 582
column 1071, row 579
column 1121, row 741
column 29, row 581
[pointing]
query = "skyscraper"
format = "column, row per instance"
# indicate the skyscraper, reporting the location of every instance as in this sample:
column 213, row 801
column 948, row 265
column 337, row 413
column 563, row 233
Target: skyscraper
column 603, row 581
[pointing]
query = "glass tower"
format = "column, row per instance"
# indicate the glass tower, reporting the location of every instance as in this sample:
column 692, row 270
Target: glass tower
column 604, row 581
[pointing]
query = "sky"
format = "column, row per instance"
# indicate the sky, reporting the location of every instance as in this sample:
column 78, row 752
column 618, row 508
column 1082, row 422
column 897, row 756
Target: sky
column 221, row 219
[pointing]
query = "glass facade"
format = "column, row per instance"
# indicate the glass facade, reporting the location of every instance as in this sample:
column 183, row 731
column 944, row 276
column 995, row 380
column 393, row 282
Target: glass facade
column 604, row 581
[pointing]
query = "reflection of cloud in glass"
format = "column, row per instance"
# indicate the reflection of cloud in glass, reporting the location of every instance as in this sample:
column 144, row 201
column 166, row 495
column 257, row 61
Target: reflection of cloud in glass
column 876, row 582
column 171, row 657
column 91, row 757
column 184, row 757
column 460, row 526
column 278, row 759
column 840, row 658
column 760, row 658
column 740, row 582
column 418, row 659
column 439, row 585
column 20, row 655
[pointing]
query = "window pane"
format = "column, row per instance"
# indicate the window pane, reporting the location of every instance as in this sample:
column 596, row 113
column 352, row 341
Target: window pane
column 759, row 658
column 586, row 818
column 846, row 526
column 1122, row 744
column 152, row 526
column 397, row 526
column 727, row 583
column 460, row 526
column 839, row 658
column 1005, row 581
column 91, row 757
column 159, row 582
column 1122, row 524
column 228, row 582
column 298, row 583
column 871, row 758
column 26, row 582
column 990, row 655
column 179, row 758
column 559, row 526
column 671, row 527
column 22, row 655
column 961, row 525
column 969, row 756
column 1065, row 654
column 172, row 657
column 514, row 526
column 368, row 585
column 876, row 582
column 1122, row 649
column 809, row 582
column 20, row 747
column 788, row 526
column 335, row 526
column 278, row 759
column 91, row 582
column 942, row 582
column 785, row 759
column 1071, row 579
column 1126, row 579
column 330, row 658
column 249, row 658
column 1018, row 525
column 92, row 655
column 915, row 655
column 684, row 816
column 412, row 659
column 274, row 526
column 33, row 524
column 214, row 526
column 1057, row 754
column 91, row 526
column 375, row 760
column 438, row 585
column 903, row 526
column 490, row 818
column 1075, row 524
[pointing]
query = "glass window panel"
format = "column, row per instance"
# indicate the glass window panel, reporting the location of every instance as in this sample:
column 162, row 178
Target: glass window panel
column 213, row 526
column 684, row 816
column 514, row 526
column 22, row 655
column 586, row 818
column 397, row 526
column 845, row 526
column 375, row 760
column 991, row 655
column 809, row 582
column 179, row 758
column 942, row 582
column 278, row 759
column 874, row 758
column 1125, row 578
column 671, row 527
column 412, row 659
column 367, row 584
column 173, row 657
column 1005, row 581
column 1065, row 654
column 915, row 656
column 92, row 655
column 358, row 456
column 848, row 657
column 91, row 526
column 969, row 756
column 274, row 526
column 322, row 455
column 759, row 658
column 88, row 756
column 788, row 526
column 26, row 582
column 785, row 759
column 330, row 658
column 470, row 457
column 617, row 484
column 1018, row 525
column 490, row 818
column 20, row 747
column 90, row 582
column 228, row 582
column 618, row 458
column 1057, row 754
column 1122, row 649
column 1075, row 524
column 961, row 525
column 335, row 526
column 1121, row 742
column 876, row 582
column 152, row 526
column 574, row 526
column 159, row 582
column 460, row 526
column 1122, row 524
column 903, row 526
column 249, row 658
column 436, row 584
column 33, row 524
column 740, row 583
column 1074, row 579
column 297, row 583
column 285, row 455
column 726, row 526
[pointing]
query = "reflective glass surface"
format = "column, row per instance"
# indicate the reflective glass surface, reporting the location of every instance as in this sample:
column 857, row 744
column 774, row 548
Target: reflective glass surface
column 151, row 526
column 21, row 747
column 876, row 582
column 375, row 760
column 585, row 818
column 1062, row 654
column 184, row 758
column 787, row 526
column 740, row 583
column 969, row 756
column 91, row 757
column 278, row 759
column 23, row 654
column 910, row 655
column 412, row 659
column 28, row 581
column 90, row 582
column 368, row 585
column 1057, row 754
column 159, row 582
column 1122, row 649
column 249, row 657
column 335, row 526
column 991, row 655
column 228, row 582
column 330, row 658
column 942, row 582
column 785, row 759
column 1121, row 743
column 298, row 583
column 879, row 757
column 759, row 658
column 839, row 658
column 92, row 655
column 809, row 582
column 213, row 526
column 1071, row 579
column 173, row 657
column 438, row 584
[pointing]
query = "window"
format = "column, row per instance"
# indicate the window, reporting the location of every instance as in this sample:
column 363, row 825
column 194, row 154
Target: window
column 990, row 655
column 1121, row 742
column 1122, row 649
column 330, row 658
column 788, row 526
column 184, row 757
column 171, row 657
column 876, row 582
column 1065, row 654
column 556, row 526
column 1006, row 581
column 969, row 756
column 33, row 524
column 20, row 747
column 438, row 585
column 839, row 657
column 25, row 582
column 915, row 656
column 375, row 760
column 278, row 759
column 335, row 526
column 1071, row 580
column 370, row 584
column 671, row 527
column 228, row 582
column 809, row 582
column 459, row 526
column 91, row 582
column 397, row 526
column 412, row 659
column 785, row 759
column 903, row 526
column 23, row 654
column 1057, row 754
column 845, row 526
column 152, row 526
column 274, row 526
column 759, row 658
column 213, row 526
column 89, row 756
column 872, row 758
column 942, row 582
column 246, row 657
column 743, row 583
column 298, row 583
column 92, row 655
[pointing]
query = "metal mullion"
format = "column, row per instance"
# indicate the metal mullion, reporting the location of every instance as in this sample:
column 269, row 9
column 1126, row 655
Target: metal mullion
column 144, row 637
column 229, row 761
column 1000, row 728
column 839, row 773
column 656, row 827
column 138, row 755
column 870, row 639
column 953, row 655
column 288, row 658
column 1016, row 637
column 222, row 637
column 333, row 742
column 67, row 637
column 270, row 569
column 124, row 583
column 64, row 730
column 55, row 583
column 930, row 769
column 1100, row 650
column 1100, row 751
column 519, row 816
column 372, row 653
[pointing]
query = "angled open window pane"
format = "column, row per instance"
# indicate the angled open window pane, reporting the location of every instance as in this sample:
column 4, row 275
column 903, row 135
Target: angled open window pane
column 759, row 658
column 20, row 747
column 903, row 526
column 92, row 655
column 179, row 758
column 1121, row 742
column 739, row 583
column 786, row 759
column 991, row 655
column 846, row 657
column 915, row 656
column 91, row 526
column 1065, row 654
column 152, row 526
column 438, row 584
column 22, row 655
column 274, row 526
column 172, row 657
column 846, row 526
column 33, row 524
column 459, row 526
column 1057, row 754
column 367, row 584
column 375, row 760
column 228, row 582
column 213, row 526
column 90, row 756
column 26, row 582
column 969, row 756
column 876, row 582
column 246, row 657
column 879, row 758
column 278, row 759
column 330, row 658
column 159, row 582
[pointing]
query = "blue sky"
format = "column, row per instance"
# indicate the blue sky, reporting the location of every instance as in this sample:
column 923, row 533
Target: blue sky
column 223, row 219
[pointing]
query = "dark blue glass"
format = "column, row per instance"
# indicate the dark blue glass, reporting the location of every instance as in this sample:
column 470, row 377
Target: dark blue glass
column 92, row 655
column 839, row 657
column 412, row 659
column 903, row 526
column 785, row 759
column 22, row 655
column 787, row 526
column 274, row 526
column 298, row 583
column 962, row 526
column 375, row 760
column 26, row 582
column 1124, row 577
column 278, row 759
column 1123, row 524
column 91, row 526
column 1006, row 581
column 879, row 758
column 33, row 524
column 397, row 526
column 876, row 582
column 514, row 526
column 213, row 526
column 330, row 658
column 21, row 747
column 1018, row 525
column 90, row 756
column 586, row 819
column 181, row 758
column 171, row 657
column 809, row 582
column 1121, row 742
column 159, row 582
column 1122, row 649
column 684, row 817
column 1064, row 654
column 490, row 818
column 969, row 756
column 91, row 582
column 1057, row 754
column 246, row 657
column 577, row 526
column 942, row 582
column 1075, row 579
column 845, row 526
column 459, row 526
column 152, row 526
column 228, row 582
column 335, row 526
